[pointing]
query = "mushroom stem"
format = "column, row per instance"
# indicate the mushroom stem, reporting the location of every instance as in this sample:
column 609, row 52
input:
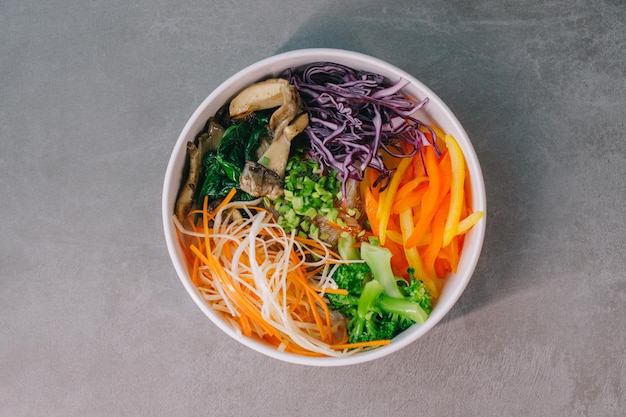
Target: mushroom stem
column 276, row 156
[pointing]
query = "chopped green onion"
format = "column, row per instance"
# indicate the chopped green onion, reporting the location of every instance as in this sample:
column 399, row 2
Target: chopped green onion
column 307, row 194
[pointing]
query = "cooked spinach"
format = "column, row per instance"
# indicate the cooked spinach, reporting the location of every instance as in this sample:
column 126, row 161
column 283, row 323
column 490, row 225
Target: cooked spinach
column 222, row 167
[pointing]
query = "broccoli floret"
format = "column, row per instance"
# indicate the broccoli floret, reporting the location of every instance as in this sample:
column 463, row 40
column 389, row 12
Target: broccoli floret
column 390, row 325
column 378, row 305
column 346, row 246
column 351, row 277
column 407, row 303
column 363, row 326
column 403, row 307
column 379, row 260
column 416, row 291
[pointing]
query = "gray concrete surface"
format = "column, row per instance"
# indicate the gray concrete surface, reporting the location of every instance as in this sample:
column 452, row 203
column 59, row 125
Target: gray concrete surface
column 93, row 321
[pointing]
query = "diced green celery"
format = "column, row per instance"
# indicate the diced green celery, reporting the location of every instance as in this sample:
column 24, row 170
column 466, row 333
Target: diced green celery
column 297, row 202
column 332, row 214
column 290, row 215
column 310, row 212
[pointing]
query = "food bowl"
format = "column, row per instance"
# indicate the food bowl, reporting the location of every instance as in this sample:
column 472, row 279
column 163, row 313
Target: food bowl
column 435, row 112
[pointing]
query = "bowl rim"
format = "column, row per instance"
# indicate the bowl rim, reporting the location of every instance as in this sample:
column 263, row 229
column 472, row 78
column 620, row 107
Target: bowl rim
column 275, row 64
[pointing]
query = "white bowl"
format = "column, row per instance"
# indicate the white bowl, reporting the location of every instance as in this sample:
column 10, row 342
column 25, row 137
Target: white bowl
column 435, row 112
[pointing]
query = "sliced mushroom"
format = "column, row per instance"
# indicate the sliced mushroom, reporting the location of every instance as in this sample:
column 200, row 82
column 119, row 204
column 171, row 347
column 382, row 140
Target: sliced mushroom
column 264, row 144
column 215, row 131
column 277, row 155
column 208, row 140
column 259, row 96
column 257, row 180
column 286, row 122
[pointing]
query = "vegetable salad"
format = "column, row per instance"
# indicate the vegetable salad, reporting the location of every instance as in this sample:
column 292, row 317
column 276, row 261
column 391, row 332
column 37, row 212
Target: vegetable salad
column 319, row 214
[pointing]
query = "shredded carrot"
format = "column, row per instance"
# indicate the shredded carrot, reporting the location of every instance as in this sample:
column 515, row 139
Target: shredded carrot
column 271, row 284
column 267, row 282
column 338, row 291
column 361, row 344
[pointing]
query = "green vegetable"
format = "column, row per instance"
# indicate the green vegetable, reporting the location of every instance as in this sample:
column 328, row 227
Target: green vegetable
column 351, row 277
column 222, row 167
column 379, row 259
column 371, row 312
column 346, row 246
column 307, row 194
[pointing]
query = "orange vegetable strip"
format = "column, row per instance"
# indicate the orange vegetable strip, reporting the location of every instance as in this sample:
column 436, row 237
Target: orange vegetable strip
column 371, row 174
column 291, row 348
column 365, row 183
column 246, row 330
column 338, row 291
column 410, row 201
column 456, row 189
column 417, row 165
column 360, row 344
column 395, row 237
column 225, row 201
column 436, row 239
column 437, row 131
column 452, row 251
column 468, row 222
column 316, row 316
column 194, row 270
column 188, row 256
column 233, row 293
column 407, row 188
column 442, row 267
column 412, row 255
column 445, row 171
column 384, row 209
column 314, row 299
column 429, row 201
column 371, row 208
column 205, row 226
column 399, row 262
column 468, row 188
column 299, row 298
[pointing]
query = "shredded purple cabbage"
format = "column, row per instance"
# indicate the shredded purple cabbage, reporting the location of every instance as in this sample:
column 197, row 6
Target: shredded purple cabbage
column 352, row 115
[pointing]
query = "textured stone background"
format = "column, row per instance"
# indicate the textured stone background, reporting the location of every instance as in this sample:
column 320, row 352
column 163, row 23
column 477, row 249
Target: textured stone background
column 93, row 321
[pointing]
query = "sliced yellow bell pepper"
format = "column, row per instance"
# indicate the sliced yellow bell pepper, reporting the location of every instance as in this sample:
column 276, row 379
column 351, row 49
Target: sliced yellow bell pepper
column 456, row 190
